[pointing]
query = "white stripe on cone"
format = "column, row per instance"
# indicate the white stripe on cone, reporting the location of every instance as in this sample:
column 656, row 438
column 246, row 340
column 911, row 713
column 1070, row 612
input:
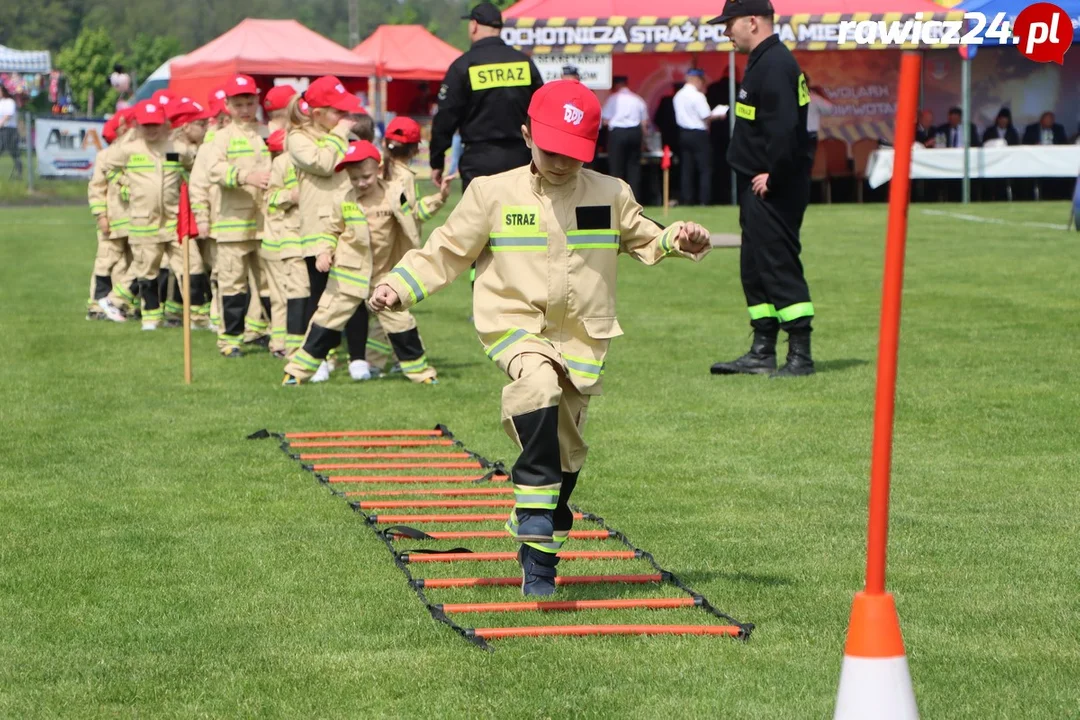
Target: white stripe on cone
column 875, row 689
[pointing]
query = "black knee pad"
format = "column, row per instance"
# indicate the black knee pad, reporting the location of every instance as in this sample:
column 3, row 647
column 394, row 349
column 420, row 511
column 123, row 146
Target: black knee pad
column 296, row 316
column 102, row 286
column 320, row 341
column 407, row 345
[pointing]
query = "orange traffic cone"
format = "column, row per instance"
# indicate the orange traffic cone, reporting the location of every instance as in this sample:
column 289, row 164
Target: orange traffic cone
column 874, row 679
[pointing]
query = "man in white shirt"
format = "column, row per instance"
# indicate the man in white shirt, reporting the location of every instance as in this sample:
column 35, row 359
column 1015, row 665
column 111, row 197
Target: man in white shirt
column 9, row 129
column 626, row 117
column 693, row 115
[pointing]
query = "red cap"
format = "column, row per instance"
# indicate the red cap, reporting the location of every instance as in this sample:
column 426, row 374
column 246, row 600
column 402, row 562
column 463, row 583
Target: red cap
column 278, row 97
column 276, row 141
column 328, row 91
column 565, row 119
column 359, row 151
column 403, row 130
column 112, row 126
column 162, row 98
column 185, row 110
column 149, row 113
column 241, row 85
column 215, row 103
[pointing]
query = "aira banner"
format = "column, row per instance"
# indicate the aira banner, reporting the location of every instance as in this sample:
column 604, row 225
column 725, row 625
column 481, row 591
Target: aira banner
column 67, row 147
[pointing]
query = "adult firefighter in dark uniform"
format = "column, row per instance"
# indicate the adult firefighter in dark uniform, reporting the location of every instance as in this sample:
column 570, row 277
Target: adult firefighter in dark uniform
column 770, row 154
column 485, row 96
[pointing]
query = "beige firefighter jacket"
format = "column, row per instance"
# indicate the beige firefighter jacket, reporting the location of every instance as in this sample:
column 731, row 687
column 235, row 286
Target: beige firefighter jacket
column 315, row 154
column 281, row 236
column 236, row 151
column 152, row 175
column 546, row 264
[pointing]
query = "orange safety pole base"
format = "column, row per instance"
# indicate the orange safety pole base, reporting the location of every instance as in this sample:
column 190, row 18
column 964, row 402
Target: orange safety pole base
column 407, row 479
column 399, row 504
column 406, row 519
column 570, row 605
column 397, row 466
column 874, row 678
column 432, row 491
column 561, row 580
column 502, row 534
column 580, row 630
column 382, row 456
column 508, row 556
column 372, row 443
column 363, row 434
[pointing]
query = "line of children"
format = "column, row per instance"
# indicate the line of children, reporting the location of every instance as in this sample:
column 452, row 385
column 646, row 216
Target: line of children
column 545, row 239
column 112, row 262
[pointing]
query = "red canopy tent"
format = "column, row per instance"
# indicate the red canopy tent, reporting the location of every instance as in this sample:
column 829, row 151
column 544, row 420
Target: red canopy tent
column 266, row 49
column 407, row 52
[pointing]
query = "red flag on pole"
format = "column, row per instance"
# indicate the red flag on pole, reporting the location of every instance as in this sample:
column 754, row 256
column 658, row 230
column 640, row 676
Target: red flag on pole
column 665, row 162
column 185, row 222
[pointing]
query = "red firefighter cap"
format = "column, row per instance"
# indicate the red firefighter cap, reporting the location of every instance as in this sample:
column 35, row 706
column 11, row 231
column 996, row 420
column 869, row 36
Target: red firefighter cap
column 359, row 151
column 162, row 98
column 328, row 91
column 276, row 141
column 112, row 127
column 241, row 85
column 215, row 103
column 278, row 97
column 403, row 130
column 565, row 119
column 149, row 113
column 184, row 111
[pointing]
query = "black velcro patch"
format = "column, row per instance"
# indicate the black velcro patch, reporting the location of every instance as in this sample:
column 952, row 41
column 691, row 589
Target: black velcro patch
column 594, row 217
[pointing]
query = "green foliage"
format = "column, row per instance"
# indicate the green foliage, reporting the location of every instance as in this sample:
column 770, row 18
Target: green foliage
column 87, row 63
column 147, row 53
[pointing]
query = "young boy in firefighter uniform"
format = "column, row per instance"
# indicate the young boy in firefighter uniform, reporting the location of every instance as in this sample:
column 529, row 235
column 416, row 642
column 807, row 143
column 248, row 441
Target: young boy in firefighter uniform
column 189, row 121
column 546, row 240
column 282, row 254
column 205, row 199
column 400, row 145
column 153, row 173
column 344, row 253
column 112, row 263
column 239, row 164
column 318, row 138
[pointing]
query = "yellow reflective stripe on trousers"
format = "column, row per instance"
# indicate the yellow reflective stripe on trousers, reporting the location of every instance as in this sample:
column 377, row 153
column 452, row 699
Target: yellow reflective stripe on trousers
column 796, row 311
column 765, row 310
column 416, row 288
column 528, row 497
column 376, row 345
column 518, row 242
column 349, row 278
column 414, row 366
column 583, row 366
column 232, row 226
column 303, row 357
column 512, row 337
column 592, row 240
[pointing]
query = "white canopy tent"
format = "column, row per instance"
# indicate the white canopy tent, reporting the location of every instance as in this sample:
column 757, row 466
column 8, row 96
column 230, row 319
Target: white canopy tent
column 25, row 62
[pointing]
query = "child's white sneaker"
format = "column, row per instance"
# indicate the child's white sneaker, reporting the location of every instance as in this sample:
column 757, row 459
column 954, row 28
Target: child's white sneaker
column 111, row 311
column 322, row 374
column 359, row 370
column 149, row 325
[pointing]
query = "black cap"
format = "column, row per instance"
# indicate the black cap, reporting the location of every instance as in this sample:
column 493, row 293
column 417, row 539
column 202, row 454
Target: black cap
column 744, row 8
column 486, row 14
column 570, row 70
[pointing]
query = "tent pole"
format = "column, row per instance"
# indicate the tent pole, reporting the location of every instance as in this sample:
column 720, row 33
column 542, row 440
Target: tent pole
column 731, row 116
column 965, row 82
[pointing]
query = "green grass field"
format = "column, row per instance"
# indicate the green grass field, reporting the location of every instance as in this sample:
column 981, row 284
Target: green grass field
column 157, row 564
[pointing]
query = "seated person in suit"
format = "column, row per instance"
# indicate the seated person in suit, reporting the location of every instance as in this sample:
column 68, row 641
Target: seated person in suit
column 1002, row 129
column 1045, row 132
column 924, row 129
column 953, row 132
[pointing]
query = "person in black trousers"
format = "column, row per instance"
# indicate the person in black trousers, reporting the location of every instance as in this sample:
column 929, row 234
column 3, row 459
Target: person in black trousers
column 770, row 153
column 693, row 115
column 626, row 116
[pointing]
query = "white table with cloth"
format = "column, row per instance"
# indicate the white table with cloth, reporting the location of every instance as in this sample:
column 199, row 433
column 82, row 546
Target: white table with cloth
column 1014, row 161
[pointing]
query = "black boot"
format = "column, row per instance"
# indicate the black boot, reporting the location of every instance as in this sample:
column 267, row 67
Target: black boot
column 799, row 362
column 761, row 360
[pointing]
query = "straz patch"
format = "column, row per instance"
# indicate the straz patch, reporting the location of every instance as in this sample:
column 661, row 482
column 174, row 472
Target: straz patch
column 521, row 218
column 486, row 77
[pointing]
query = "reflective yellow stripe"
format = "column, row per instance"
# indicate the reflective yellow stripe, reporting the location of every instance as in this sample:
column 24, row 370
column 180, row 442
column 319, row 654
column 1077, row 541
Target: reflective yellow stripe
column 583, row 366
column 592, row 240
column 796, row 311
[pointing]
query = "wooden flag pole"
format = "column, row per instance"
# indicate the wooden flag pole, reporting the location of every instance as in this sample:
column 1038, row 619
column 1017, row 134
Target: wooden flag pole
column 186, row 242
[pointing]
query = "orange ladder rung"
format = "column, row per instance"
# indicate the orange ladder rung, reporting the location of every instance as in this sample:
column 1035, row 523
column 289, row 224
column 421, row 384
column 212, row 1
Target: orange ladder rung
column 579, row 630
column 380, row 456
column 432, row 491
column 620, row 604
column 507, row 556
column 363, row 434
column 502, row 534
column 561, row 580
column 399, row 504
column 407, row 479
column 397, row 466
column 372, row 443
column 406, row 519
